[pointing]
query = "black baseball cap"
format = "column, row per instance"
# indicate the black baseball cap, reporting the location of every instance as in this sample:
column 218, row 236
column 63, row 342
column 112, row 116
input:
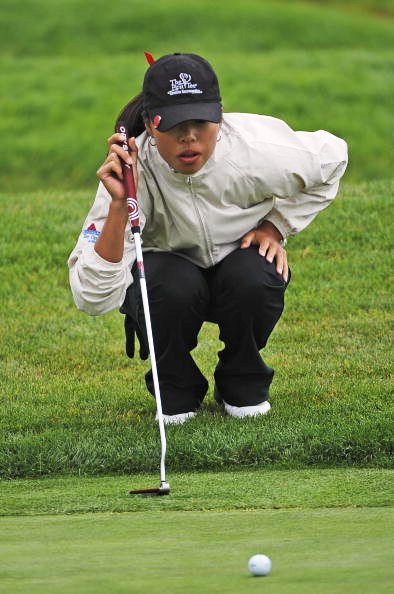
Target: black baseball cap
column 179, row 87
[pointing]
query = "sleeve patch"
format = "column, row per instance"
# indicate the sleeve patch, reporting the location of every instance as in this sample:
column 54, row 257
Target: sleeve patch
column 90, row 233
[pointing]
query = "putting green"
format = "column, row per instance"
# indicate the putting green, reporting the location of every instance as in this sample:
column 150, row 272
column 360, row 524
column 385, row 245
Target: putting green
column 326, row 530
column 321, row 551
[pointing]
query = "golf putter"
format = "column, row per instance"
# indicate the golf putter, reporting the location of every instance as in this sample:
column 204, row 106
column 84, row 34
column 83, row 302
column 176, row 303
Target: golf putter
column 134, row 220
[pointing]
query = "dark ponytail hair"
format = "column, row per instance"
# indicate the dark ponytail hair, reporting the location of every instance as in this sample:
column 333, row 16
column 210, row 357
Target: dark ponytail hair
column 133, row 116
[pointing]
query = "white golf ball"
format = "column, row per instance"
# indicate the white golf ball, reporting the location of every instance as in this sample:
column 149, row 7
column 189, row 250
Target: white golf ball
column 259, row 565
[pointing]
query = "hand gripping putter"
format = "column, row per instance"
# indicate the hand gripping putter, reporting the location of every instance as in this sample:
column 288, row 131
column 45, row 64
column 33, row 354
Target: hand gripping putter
column 134, row 220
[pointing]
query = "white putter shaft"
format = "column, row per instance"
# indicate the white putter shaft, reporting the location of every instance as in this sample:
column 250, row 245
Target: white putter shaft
column 145, row 302
column 134, row 220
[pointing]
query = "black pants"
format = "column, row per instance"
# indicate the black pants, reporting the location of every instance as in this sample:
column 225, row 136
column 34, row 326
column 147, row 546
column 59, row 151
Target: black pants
column 243, row 294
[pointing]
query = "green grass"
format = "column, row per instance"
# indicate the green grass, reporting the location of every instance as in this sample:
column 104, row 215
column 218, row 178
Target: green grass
column 200, row 552
column 329, row 551
column 76, row 27
column 198, row 491
column 73, row 403
column 68, row 67
column 310, row 484
column 326, row 531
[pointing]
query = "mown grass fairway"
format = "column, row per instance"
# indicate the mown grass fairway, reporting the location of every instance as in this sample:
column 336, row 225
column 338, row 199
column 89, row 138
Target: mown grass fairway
column 68, row 68
column 73, row 402
column 236, row 490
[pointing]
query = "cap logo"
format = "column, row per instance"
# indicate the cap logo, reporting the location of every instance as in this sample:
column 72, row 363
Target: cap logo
column 183, row 85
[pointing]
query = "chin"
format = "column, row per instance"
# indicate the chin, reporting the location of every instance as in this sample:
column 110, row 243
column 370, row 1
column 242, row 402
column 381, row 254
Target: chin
column 189, row 169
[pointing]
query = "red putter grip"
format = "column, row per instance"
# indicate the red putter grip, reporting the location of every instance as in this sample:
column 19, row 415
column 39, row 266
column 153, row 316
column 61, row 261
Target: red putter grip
column 128, row 180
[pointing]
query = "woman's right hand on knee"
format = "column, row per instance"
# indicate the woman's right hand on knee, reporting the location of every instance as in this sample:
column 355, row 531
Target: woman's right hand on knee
column 110, row 172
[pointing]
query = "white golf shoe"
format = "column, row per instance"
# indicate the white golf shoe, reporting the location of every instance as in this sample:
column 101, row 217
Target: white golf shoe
column 247, row 411
column 177, row 419
column 242, row 411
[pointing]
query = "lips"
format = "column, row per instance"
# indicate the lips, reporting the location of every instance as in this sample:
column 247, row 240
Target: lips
column 189, row 156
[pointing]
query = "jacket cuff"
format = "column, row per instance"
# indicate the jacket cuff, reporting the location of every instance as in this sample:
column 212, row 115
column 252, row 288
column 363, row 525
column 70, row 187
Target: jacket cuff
column 280, row 223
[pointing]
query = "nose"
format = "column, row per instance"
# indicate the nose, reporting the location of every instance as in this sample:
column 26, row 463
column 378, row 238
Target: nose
column 187, row 131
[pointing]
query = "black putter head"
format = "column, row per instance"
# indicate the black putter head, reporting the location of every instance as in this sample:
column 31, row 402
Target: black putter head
column 164, row 489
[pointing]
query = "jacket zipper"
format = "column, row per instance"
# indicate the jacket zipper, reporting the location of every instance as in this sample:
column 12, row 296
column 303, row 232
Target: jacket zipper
column 200, row 218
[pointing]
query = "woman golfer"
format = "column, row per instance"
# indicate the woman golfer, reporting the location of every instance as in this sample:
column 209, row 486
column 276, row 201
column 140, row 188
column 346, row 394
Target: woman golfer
column 218, row 194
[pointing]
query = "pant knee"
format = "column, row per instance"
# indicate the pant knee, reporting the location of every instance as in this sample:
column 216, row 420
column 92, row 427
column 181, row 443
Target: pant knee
column 175, row 298
column 175, row 285
column 248, row 277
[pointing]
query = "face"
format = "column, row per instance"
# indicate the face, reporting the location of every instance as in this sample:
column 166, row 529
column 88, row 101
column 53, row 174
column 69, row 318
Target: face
column 187, row 146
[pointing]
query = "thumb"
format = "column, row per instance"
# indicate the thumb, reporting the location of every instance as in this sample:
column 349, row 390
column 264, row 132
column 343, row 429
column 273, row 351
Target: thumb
column 133, row 149
column 247, row 240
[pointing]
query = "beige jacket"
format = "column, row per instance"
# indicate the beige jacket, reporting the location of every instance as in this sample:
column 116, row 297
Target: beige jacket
column 260, row 169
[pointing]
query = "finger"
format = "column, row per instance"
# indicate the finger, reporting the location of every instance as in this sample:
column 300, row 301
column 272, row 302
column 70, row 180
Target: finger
column 134, row 156
column 133, row 150
column 105, row 174
column 263, row 247
column 247, row 240
column 285, row 267
column 133, row 145
column 285, row 271
column 117, row 138
column 121, row 153
column 279, row 258
column 111, row 167
column 272, row 251
column 112, row 181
